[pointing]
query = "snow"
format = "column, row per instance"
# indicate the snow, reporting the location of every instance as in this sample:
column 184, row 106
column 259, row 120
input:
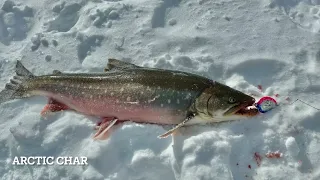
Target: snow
column 273, row 43
column 292, row 146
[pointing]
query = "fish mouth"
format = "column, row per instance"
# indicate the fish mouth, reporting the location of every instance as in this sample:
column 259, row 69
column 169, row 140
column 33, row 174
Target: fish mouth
column 244, row 109
column 247, row 111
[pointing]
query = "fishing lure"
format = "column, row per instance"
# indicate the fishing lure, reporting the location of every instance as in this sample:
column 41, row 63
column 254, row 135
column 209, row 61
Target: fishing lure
column 268, row 103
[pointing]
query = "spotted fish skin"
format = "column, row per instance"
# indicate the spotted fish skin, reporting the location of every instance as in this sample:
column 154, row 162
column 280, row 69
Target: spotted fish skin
column 126, row 92
column 136, row 94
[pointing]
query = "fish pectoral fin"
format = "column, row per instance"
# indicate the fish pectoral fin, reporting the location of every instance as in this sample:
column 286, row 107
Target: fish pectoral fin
column 115, row 64
column 53, row 106
column 174, row 130
column 105, row 128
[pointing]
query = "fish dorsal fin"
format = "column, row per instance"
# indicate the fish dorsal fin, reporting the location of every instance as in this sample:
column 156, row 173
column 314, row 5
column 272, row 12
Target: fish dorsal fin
column 56, row 72
column 114, row 64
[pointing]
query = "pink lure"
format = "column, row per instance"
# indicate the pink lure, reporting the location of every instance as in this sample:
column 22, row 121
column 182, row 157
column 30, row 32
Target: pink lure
column 266, row 104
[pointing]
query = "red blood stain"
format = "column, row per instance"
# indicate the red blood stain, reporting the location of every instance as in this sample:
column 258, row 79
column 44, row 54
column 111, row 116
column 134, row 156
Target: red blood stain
column 276, row 154
column 260, row 87
column 249, row 166
column 258, row 158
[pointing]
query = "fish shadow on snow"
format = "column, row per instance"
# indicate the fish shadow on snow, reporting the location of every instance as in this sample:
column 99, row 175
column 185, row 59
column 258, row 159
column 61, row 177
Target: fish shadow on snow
column 258, row 71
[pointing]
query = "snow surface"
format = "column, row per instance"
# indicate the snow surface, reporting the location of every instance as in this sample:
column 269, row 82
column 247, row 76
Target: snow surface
column 273, row 43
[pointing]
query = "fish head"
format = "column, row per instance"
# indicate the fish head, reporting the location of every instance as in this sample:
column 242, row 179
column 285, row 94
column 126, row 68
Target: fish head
column 222, row 103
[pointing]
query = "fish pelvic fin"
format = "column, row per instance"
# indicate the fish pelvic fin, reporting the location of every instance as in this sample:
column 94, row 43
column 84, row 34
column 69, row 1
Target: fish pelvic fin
column 106, row 127
column 16, row 88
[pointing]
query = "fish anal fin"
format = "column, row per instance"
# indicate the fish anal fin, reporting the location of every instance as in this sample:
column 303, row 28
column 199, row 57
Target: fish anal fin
column 53, row 106
column 114, row 64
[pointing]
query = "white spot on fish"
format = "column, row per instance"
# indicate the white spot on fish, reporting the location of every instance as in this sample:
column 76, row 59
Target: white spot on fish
column 105, row 91
column 141, row 92
column 161, row 105
column 66, row 88
column 188, row 96
column 90, row 87
column 91, row 96
column 169, row 101
column 128, row 98
column 151, row 100
column 82, row 92
column 135, row 102
column 122, row 89
column 61, row 84
column 178, row 101
column 112, row 93
column 158, row 87
column 78, row 85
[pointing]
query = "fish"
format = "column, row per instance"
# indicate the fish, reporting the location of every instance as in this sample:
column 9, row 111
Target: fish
column 125, row 92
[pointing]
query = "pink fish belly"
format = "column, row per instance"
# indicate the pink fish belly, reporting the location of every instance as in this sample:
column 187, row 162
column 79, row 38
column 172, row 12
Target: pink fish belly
column 122, row 110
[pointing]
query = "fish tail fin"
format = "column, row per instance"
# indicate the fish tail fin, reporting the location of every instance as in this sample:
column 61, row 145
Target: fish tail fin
column 15, row 89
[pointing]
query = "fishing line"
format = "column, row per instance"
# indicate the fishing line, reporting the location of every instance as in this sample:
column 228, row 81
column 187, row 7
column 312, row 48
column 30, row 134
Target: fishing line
column 305, row 104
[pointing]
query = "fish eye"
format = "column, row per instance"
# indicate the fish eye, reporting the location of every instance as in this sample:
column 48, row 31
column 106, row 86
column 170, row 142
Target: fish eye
column 232, row 100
